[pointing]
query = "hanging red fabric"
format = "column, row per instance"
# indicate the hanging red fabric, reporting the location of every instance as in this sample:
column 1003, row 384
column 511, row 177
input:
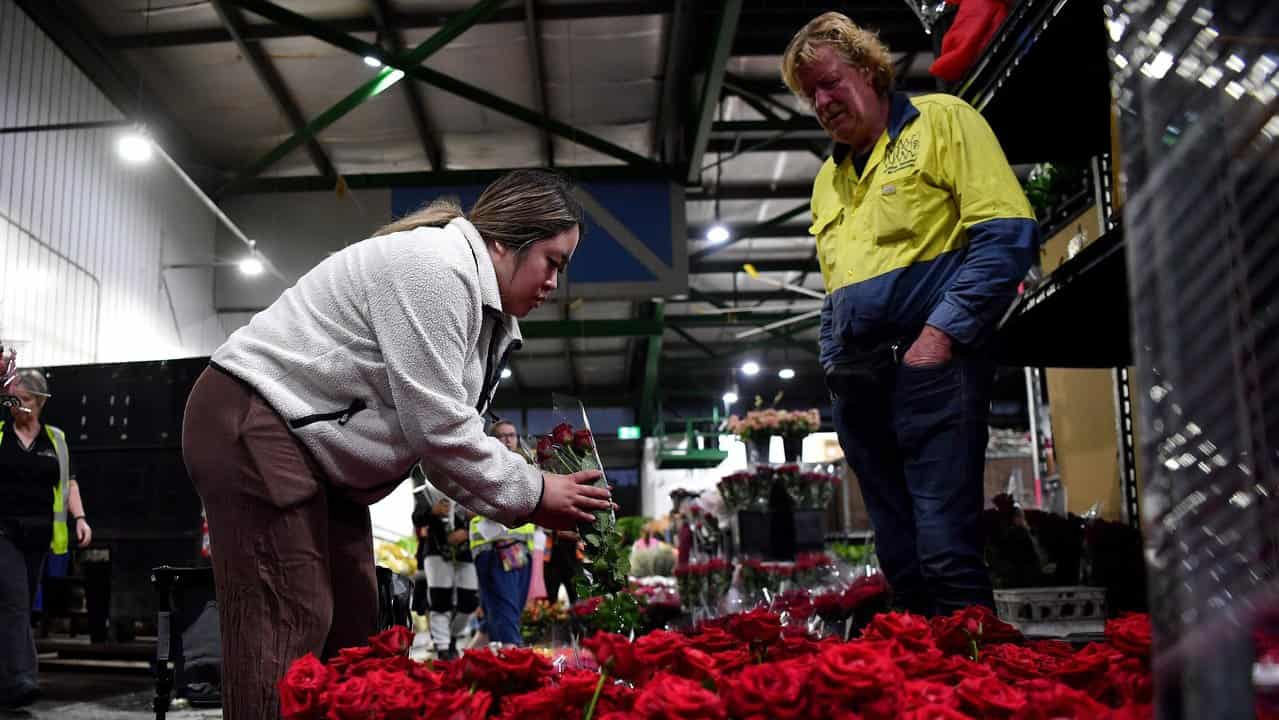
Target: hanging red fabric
column 975, row 24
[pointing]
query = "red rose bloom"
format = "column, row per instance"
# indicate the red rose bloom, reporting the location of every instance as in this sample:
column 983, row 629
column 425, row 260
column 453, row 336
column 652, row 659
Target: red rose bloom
column 347, row 657
column 562, row 434
column 756, row 626
column 934, row 712
column 792, row 646
column 511, row 671
column 616, row 655
column 864, row 590
column 458, row 705
column 399, row 696
column 1047, row 700
column 912, row 631
column 576, row 687
column 523, row 668
column 1081, row 670
column 774, row 691
column 926, row 664
column 582, row 441
column 543, row 704
column 586, row 608
column 352, row 699
column 989, row 697
column 731, row 661
column 923, row 692
column 854, row 671
column 390, row 643
column 545, row 448
column 713, row 640
column 1130, row 635
column 1133, row 711
column 956, row 632
column 667, row 697
column 301, row 688
column 1012, row 662
column 659, row 649
column 1132, row 678
column 695, row 664
column 1055, row 648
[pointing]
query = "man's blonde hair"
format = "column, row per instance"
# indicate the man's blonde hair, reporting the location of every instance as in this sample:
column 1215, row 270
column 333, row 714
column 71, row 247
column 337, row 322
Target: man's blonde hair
column 858, row 47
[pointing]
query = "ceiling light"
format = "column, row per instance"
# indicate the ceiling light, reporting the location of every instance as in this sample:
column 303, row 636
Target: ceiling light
column 134, row 148
column 786, row 373
column 506, row 372
column 372, row 61
column 251, row 266
column 730, row 397
column 750, row 367
column 717, row 233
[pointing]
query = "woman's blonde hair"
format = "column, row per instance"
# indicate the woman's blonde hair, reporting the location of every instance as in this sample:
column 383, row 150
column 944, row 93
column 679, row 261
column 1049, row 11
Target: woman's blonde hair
column 515, row 210
column 858, row 47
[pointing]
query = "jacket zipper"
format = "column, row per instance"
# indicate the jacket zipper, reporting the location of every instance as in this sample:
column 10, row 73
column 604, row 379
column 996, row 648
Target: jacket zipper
column 342, row 416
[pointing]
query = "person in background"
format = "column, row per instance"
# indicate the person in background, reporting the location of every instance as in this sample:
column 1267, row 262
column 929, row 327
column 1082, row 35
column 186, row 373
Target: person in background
column 445, row 552
column 563, row 560
column 503, row 561
column 35, row 476
column 923, row 235
column 385, row 354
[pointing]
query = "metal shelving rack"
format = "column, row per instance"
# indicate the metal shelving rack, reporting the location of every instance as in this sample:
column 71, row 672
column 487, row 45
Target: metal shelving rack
column 1043, row 84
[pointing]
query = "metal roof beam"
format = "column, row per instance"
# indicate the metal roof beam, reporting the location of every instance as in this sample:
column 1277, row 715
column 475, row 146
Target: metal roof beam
column 726, row 31
column 783, row 333
column 442, row 178
column 381, row 81
column 409, row 65
column 405, row 20
column 590, row 328
column 786, row 190
column 537, row 68
column 387, row 23
column 694, row 341
column 669, row 131
column 652, row 369
column 270, row 78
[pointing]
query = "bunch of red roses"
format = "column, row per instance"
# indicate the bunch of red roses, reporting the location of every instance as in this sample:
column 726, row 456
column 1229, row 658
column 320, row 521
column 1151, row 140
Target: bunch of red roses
column 605, row 566
column 749, row 667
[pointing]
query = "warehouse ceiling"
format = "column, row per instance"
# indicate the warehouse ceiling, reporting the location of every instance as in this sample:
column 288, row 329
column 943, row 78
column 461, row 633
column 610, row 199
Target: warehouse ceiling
column 226, row 85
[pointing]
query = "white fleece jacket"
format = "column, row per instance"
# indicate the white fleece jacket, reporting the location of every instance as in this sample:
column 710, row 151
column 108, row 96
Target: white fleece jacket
column 389, row 351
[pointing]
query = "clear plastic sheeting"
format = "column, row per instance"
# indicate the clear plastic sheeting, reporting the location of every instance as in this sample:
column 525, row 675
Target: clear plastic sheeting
column 1196, row 86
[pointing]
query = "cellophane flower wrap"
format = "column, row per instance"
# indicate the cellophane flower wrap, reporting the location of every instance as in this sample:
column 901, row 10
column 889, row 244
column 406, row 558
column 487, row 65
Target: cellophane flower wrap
column 568, row 449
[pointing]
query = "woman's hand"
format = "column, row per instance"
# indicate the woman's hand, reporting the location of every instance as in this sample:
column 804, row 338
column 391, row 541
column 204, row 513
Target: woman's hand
column 83, row 533
column 8, row 368
column 570, row 499
column 457, row 537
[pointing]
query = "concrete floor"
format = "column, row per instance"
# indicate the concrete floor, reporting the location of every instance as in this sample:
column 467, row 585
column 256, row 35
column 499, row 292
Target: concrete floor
column 89, row 694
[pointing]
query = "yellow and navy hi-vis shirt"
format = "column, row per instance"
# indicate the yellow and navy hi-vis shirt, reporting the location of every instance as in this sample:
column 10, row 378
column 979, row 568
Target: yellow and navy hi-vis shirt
column 934, row 230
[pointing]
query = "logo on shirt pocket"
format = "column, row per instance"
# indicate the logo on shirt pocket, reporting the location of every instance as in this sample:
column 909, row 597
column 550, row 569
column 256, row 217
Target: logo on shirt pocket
column 893, row 209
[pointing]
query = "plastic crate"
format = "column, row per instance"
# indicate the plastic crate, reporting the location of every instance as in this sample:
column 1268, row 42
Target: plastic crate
column 1053, row 611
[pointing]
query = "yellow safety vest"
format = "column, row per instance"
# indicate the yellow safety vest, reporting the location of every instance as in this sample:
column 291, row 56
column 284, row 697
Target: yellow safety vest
column 59, row 440
column 523, row 533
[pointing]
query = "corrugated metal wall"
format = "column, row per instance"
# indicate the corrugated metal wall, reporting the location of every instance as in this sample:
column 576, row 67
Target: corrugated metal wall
column 83, row 236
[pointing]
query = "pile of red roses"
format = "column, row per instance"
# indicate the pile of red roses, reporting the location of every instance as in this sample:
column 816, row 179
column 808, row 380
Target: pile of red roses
column 749, row 667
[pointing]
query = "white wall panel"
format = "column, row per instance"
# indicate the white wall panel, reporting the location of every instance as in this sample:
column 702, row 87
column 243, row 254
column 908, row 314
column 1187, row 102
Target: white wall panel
column 83, row 236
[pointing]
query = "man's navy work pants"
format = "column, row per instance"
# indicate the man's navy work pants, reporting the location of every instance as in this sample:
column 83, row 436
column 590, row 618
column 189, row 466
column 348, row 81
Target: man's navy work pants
column 916, row 438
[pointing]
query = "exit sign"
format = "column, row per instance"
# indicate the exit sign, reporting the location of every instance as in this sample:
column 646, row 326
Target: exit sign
column 628, row 432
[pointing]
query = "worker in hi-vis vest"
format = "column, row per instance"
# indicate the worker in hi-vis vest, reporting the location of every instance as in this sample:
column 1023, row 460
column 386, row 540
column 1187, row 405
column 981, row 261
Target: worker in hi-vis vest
column 38, row 488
